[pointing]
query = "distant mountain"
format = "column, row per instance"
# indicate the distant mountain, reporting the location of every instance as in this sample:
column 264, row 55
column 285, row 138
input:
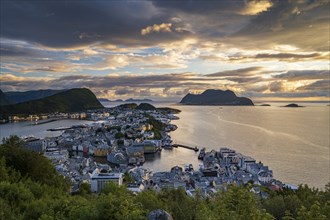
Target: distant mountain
column 104, row 100
column 3, row 99
column 215, row 97
column 18, row 97
column 108, row 100
column 138, row 100
column 72, row 100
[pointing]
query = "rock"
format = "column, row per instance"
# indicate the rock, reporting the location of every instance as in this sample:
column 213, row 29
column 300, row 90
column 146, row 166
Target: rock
column 159, row 214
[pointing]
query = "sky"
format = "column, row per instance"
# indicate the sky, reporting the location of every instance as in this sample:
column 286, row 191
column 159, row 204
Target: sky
column 164, row 49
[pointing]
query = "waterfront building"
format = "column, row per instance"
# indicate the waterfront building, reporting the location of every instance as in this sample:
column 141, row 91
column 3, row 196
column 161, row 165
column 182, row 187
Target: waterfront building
column 99, row 180
column 35, row 144
column 147, row 146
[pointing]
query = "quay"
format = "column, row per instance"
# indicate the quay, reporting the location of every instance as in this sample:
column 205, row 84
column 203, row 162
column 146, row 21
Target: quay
column 59, row 129
column 43, row 122
column 185, row 146
column 67, row 128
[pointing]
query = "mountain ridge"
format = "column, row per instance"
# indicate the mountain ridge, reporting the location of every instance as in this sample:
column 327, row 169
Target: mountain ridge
column 19, row 97
column 72, row 100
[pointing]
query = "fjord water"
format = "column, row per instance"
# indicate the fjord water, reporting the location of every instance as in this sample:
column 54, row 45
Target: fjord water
column 293, row 142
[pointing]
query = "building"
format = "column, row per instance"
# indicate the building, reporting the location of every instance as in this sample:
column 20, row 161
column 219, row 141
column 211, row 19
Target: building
column 101, row 152
column 146, row 146
column 35, row 144
column 100, row 180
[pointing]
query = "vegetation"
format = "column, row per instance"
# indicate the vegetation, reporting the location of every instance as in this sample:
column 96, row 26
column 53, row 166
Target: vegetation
column 128, row 105
column 30, row 188
column 73, row 100
column 17, row 97
column 3, row 99
column 119, row 135
column 168, row 110
column 157, row 127
column 145, row 106
column 109, row 128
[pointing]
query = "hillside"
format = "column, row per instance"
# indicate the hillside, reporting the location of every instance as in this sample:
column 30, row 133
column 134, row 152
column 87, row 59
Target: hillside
column 3, row 99
column 215, row 97
column 18, row 97
column 73, row 100
column 145, row 106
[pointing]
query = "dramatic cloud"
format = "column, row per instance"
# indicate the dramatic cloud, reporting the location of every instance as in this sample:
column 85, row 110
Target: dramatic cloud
column 295, row 75
column 249, row 71
column 119, row 48
column 173, row 86
column 321, row 85
column 254, row 7
column 276, row 86
column 164, row 27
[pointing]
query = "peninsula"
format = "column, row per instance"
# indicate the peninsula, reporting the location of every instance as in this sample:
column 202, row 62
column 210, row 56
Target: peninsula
column 72, row 100
column 216, row 97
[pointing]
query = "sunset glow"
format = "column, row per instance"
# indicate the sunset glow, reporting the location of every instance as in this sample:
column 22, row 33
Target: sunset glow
column 262, row 49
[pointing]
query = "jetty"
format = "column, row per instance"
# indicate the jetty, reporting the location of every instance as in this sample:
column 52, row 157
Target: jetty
column 67, row 128
column 59, row 129
column 185, row 146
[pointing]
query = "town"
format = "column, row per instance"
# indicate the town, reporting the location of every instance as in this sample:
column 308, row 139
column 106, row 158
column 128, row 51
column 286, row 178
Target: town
column 123, row 136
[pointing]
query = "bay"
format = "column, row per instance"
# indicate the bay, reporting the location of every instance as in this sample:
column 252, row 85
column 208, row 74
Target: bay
column 293, row 142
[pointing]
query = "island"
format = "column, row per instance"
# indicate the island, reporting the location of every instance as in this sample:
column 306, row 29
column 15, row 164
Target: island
column 293, row 105
column 265, row 105
column 216, row 97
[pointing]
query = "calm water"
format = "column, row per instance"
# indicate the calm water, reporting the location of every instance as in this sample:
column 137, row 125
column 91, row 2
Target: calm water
column 40, row 131
column 293, row 142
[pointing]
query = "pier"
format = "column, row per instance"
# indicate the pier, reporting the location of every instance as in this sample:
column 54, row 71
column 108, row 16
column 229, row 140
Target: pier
column 185, row 146
column 59, row 129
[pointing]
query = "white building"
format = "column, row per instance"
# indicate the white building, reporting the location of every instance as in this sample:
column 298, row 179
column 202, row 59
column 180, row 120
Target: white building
column 99, row 180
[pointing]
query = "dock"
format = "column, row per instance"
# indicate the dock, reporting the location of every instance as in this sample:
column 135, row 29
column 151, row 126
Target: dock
column 59, row 129
column 185, row 146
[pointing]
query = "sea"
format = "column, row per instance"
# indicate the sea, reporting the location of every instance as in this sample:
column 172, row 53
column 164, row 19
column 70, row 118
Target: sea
column 293, row 142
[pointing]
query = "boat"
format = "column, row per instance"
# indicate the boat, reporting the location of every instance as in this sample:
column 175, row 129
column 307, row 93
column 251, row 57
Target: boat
column 201, row 154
